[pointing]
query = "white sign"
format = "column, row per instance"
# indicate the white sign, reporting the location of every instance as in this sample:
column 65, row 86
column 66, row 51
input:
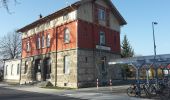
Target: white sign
column 103, row 47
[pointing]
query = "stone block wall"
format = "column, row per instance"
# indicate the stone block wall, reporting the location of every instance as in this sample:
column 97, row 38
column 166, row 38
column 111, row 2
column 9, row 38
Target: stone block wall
column 29, row 75
column 89, row 67
column 69, row 79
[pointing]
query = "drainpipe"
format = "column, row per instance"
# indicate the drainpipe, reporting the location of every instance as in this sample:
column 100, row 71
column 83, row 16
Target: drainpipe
column 20, row 70
column 56, row 59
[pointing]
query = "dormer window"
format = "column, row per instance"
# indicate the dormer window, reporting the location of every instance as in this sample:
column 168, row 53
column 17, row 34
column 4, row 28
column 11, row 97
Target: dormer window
column 101, row 14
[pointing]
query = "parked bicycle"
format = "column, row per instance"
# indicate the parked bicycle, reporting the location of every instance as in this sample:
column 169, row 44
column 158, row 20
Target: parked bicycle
column 139, row 91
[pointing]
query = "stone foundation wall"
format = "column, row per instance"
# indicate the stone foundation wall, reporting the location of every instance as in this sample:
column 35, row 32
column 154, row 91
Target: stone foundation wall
column 85, row 67
column 90, row 68
column 57, row 67
column 69, row 79
column 29, row 76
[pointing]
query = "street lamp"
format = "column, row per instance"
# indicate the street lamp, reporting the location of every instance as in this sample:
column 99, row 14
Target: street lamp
column 154, row 23
column 154, row 63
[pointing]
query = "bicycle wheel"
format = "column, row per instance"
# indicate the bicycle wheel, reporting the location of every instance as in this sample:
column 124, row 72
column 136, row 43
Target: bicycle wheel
column 131, row 92
column 152, row 90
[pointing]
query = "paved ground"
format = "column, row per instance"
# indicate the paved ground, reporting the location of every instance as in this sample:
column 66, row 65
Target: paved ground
column 34, row 93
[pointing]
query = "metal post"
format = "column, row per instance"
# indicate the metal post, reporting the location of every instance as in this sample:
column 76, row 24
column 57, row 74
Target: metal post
column 156, row 75
column 147, row 75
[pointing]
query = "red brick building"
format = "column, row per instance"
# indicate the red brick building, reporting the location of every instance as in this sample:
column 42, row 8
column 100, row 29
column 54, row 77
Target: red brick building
column 72, row 46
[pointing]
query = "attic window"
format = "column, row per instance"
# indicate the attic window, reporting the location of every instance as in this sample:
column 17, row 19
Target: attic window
column 65, row 16
column 101, row 14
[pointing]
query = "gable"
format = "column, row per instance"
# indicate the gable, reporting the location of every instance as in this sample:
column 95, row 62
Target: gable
column 108, row 4
column 102, row 3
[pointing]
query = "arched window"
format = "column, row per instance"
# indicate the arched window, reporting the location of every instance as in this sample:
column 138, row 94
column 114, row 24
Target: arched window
column 66, row 35
column 48, row 40
column 38, row 42
column 28, row 46
column 42, row 41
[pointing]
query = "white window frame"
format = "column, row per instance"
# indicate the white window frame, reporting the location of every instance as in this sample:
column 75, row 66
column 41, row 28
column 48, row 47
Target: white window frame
column 66, row 35
column 67, row 64
column 38, row 43
column 101, row 14
column 28, row 46
column 102, row 38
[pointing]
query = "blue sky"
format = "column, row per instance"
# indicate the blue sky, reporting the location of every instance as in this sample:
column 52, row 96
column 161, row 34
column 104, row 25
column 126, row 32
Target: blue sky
column 139, row 15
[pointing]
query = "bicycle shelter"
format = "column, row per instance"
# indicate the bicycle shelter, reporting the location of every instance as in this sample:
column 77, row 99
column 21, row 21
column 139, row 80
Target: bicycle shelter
column 146, row 62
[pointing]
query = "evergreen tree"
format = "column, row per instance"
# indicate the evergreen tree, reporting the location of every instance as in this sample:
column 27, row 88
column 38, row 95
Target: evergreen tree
column 126, row 49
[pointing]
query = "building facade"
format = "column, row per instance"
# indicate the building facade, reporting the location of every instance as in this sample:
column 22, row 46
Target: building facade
column 12, row 70
column 72, row 46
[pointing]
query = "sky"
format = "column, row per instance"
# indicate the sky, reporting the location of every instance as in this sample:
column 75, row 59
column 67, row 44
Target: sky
column 139, row 15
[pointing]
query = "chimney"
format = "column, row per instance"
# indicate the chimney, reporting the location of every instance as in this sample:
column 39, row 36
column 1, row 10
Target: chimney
column 40, row 16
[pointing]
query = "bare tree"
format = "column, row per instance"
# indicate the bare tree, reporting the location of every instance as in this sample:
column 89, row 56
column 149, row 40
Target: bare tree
column 10, row 46
column 4, row 3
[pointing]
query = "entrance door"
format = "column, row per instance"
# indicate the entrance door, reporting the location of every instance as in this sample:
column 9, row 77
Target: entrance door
column 38, row 70
column 47, row 68
column 103, row 71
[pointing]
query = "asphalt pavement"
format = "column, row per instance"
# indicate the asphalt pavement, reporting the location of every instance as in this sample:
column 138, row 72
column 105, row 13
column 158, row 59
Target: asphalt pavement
column 8, row 92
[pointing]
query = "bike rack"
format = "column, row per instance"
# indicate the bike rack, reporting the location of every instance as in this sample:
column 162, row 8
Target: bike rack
column 146, row 62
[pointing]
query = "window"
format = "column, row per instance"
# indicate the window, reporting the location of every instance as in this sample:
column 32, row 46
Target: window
column 42, row 41
column 101, row 14
column 26, row 67
column 28, row 46
column 66, row 64
column 18, row 69
column 102, row 38
column 6, row 72
column 48, row 40
column 65, row 16
column 12, row 69
column 38, row 42
column 66, row 35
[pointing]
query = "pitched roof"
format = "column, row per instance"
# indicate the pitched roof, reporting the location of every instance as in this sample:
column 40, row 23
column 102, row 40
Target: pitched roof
column 71, row 8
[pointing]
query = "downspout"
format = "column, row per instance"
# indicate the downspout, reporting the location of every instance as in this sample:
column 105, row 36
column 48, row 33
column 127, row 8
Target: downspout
column 20, row 63
column 20, row 70
column 56, row 58
column 77, row 26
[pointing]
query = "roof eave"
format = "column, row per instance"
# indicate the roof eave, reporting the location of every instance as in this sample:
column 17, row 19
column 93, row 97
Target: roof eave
column 49, row 17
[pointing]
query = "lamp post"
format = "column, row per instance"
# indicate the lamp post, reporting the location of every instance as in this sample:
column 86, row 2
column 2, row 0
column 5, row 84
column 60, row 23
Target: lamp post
column 154, row 23
column 154, row 63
